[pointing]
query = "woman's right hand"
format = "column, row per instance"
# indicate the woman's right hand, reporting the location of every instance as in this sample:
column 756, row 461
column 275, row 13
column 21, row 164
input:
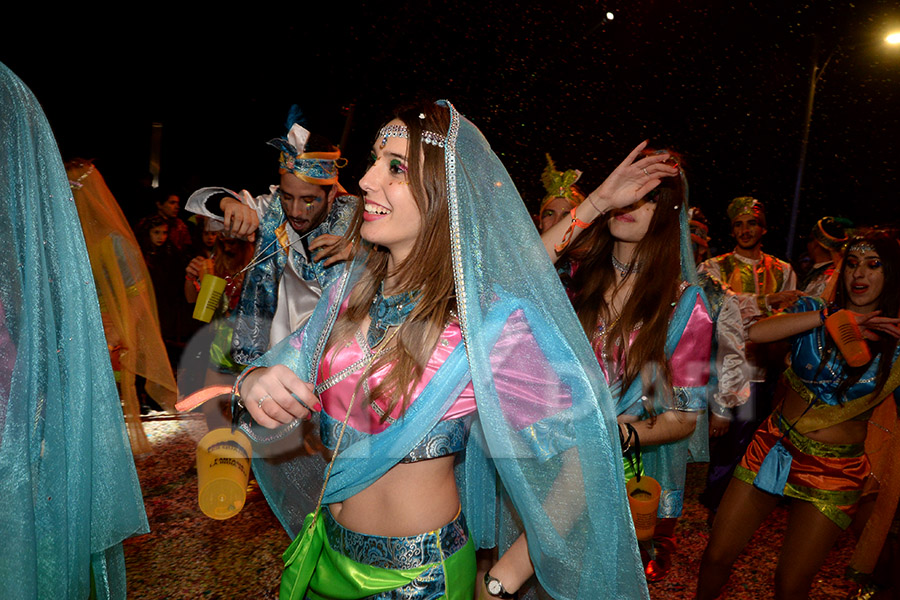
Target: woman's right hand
column 268, row 393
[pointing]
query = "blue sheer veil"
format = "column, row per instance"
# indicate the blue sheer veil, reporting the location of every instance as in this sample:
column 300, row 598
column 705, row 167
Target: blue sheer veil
column 545, row 414
column 69, row 492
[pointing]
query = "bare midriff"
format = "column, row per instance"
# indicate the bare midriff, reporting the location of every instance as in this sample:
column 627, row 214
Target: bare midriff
column 411, row 498
column 848, row 432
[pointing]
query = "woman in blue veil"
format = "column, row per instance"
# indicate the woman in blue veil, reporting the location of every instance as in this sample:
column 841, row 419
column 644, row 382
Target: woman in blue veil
column 69, row 492
column 497, row 421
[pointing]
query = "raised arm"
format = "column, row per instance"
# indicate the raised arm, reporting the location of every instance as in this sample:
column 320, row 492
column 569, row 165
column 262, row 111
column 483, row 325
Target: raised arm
column 240, row 217
column 628, row 183
column 783, row 326
column 779, row 327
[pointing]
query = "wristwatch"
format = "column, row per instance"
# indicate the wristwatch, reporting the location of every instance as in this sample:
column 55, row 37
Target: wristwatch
column 495, row 588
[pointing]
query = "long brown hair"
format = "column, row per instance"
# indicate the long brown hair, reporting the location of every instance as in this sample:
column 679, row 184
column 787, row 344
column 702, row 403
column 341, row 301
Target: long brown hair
column 427, row 269
column 656, row 288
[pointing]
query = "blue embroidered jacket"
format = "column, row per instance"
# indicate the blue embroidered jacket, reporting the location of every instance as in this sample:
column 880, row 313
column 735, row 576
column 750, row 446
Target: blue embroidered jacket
column 259, row 297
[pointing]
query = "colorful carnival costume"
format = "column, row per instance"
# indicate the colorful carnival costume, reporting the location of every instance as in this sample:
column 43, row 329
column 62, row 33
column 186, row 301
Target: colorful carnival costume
column 69, row 492
column 729, row 379
column 830, row 476
column 281, row 289
column 752, row 280
column 539, row 405
column 127, row 300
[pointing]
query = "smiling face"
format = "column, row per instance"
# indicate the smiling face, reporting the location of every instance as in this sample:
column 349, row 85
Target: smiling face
column 863, row 279
column 630, row 224
column 747, row 231
column 392, row 218
column 553, row 212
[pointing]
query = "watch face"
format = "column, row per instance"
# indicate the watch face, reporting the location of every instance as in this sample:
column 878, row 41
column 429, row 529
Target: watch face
column 494, row 587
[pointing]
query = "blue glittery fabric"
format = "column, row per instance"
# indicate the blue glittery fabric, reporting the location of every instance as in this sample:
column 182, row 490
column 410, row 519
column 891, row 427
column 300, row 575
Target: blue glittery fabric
column 822, row 372
column 259, row 295
column 69, row 492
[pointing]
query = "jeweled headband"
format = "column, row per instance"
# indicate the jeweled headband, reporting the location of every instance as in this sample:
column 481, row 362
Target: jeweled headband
column 401, row 131
column 862, row 246
column 318, row 168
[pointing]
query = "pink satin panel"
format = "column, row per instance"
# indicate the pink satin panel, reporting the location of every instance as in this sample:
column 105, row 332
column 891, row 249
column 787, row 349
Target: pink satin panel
column 364, row 418
column 526, row 397
column 690, row 361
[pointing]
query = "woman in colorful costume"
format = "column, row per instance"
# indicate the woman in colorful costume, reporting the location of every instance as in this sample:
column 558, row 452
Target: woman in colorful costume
column 811, row 448
column 69, row 492
column 127, row 300
column 454, row 321
column 624, row 274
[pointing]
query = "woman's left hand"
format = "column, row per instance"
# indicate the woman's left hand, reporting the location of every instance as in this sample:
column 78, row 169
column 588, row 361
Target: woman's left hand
column 632, row 179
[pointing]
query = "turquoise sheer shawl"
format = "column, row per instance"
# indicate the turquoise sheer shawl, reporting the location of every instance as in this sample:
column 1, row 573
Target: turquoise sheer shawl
column 545, row 421
column 69, row 492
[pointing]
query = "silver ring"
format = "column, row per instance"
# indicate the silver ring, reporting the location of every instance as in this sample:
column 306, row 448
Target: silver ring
column 259, row 402
column 644, row 169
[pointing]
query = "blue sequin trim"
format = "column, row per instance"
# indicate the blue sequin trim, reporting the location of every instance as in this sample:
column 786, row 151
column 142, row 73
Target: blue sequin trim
column 446, row 438
column 407, row 552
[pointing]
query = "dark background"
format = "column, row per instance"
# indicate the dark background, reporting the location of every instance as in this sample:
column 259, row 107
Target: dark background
column 726, row 85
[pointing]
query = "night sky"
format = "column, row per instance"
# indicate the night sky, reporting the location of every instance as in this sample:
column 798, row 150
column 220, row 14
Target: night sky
column 726, row 86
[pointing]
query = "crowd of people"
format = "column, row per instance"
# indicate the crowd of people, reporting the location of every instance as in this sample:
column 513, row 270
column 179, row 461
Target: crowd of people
column 486, row 383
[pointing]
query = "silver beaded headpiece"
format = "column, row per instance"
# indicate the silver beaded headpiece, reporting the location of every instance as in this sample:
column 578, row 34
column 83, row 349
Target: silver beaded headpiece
column 400, row 131
column 862, row 247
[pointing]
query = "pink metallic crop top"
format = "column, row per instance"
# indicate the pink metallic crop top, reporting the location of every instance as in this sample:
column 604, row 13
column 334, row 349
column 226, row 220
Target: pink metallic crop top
column 345, row 365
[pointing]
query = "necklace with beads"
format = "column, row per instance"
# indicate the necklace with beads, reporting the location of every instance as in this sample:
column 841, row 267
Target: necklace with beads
column 625, row 269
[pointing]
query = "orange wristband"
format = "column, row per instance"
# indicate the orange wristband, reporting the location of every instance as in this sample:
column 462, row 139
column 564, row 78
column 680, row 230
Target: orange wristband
column 576, row 222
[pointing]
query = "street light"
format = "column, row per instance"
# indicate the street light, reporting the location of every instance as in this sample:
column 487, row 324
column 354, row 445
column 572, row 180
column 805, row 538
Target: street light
column 892, row 38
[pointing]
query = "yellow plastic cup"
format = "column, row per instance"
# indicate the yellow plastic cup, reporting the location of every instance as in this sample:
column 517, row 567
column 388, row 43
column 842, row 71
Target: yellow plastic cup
column 223, row 469
column 211, row 290
column 643, row 498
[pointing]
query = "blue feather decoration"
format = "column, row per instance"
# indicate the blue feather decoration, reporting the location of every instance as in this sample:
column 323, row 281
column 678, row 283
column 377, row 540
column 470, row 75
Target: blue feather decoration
column 295, row 115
